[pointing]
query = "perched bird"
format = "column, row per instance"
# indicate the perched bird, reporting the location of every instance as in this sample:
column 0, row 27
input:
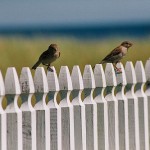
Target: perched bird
column 117, row 54
column 48, row 56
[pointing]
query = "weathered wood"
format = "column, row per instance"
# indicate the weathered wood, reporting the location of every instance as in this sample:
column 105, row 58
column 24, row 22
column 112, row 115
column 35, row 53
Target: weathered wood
column 90, row 109
column 2, row 116
column 122, row 109
column 42, row 111
column 102, row 110
column 133, row 122
column 67, row 116
column 28, row 112
column 112, row 107
column 142, row 106
column 14, row 114
column 79, row 109
column 55, row 113
column 105, row 122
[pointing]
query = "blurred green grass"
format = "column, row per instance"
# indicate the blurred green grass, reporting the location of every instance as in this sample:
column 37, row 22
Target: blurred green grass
column 21, row 52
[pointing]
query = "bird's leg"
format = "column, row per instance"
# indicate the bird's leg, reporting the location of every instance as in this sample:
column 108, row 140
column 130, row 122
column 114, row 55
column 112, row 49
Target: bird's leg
column 49, row 68
column 117, row 70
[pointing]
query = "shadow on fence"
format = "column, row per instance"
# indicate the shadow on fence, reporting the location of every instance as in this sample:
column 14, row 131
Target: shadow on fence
column 116, row 120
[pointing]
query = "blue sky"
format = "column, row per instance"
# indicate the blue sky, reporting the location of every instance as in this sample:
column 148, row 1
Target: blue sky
column 73, row 12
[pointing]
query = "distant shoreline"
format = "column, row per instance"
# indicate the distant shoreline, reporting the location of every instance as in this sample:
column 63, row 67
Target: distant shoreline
column 93, row 31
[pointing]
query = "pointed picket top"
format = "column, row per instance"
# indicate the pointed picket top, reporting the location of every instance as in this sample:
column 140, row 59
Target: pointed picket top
column 65, row 82
column 40, row 81
column 53, row 84
column 121, row 77
column 77, row 81
column 26, row 81
column 147, row 70
column 110, row 75
column 130, row 73
column 99, row 76
column 2, row 87
column 140, row 72
column 12, row 85
column 88, row 77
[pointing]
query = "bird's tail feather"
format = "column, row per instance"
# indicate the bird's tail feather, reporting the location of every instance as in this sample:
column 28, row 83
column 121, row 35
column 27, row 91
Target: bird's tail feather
column 36, row 64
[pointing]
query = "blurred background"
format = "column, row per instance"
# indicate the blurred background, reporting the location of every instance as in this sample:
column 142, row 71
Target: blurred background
column 85, row 31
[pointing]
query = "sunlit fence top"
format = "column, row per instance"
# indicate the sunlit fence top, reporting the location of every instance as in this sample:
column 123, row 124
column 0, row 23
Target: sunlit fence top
column 115, row 118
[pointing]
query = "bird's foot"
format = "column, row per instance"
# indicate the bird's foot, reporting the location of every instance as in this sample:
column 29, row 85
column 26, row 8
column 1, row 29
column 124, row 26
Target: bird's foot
column 50, row 69
column 118, row 70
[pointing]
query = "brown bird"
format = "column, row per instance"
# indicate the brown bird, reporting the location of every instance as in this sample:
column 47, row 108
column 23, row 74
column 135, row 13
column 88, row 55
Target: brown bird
column 48, row 56
column 117, row 54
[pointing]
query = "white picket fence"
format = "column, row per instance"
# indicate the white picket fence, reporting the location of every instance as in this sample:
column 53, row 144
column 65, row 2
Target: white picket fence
column 116, row 118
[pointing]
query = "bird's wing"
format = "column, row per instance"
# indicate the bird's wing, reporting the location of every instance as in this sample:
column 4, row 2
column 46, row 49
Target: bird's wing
column 114, row 53
column 46, row 54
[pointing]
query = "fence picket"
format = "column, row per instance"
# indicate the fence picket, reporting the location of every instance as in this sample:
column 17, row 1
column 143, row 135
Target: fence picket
column 79, row 109
column 55, row 113
column 142, row 106
column 112, row 107
column 28, row 112
column 133, row 122
column 147, row 92
column 90, row 108
column 2, row 116
column 102, row 110
column 122, row 109
column 67, row 119
column 42, row 111
column 14, row 114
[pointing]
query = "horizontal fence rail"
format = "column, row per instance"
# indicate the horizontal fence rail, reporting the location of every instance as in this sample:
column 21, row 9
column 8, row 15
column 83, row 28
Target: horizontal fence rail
column 113, row 113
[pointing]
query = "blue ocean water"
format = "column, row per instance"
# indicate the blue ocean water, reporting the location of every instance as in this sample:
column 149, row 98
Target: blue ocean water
column 94, row 31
